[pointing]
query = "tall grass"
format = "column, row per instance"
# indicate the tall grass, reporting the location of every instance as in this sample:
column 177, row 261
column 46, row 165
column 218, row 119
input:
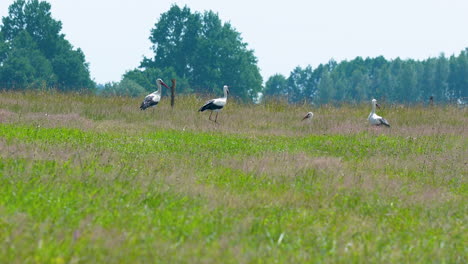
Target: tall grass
column 86, row 179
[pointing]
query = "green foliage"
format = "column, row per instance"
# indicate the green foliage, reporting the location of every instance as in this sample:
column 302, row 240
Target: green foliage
column 404, row 81
column 126, row 87
column 204, row 52
column 458, row 70
column 301, row 84
column 25, row 67
column 276, row 86
column 3, row 48
column 33, row 51
column 71, row 69
column 35, row 17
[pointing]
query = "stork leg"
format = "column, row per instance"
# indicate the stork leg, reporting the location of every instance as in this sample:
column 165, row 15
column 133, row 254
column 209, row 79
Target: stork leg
column 211, row 112
column 216, row 119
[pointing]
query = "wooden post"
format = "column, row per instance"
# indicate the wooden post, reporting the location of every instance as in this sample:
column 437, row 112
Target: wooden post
column 173, row 92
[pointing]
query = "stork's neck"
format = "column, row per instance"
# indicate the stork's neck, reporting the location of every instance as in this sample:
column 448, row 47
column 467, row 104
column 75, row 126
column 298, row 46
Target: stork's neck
column 225, row 92
column 158, row 91
column 373, row 108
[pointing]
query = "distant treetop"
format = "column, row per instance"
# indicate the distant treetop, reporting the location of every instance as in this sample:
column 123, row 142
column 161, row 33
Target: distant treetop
column 34, row 54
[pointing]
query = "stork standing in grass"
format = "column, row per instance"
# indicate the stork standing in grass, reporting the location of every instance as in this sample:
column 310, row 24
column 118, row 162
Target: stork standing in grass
column 215, row 104
column 308, row 117
column 153, row 98
column 375, row 119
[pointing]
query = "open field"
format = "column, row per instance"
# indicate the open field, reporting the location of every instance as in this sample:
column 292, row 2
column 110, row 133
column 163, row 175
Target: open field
column 85, row 179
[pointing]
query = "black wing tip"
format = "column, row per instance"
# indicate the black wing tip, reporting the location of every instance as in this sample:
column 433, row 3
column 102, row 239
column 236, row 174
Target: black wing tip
column 205, row 106
column 384, row 122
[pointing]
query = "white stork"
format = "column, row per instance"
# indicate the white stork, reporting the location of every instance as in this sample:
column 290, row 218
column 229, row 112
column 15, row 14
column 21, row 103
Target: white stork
column 375, row 119
column 215, row 104
column 153, row 98
column 308, row 116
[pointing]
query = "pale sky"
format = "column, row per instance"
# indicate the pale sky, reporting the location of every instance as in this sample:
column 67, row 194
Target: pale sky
column 114, row 34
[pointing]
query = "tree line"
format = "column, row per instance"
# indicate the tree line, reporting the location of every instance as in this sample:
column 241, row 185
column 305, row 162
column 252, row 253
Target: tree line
column 203, row 53
column 443, row 78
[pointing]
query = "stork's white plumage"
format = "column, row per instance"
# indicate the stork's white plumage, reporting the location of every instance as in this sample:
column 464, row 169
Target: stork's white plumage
column 153, row 98
column 375, row 119
column 308, row 116
column 215, row 104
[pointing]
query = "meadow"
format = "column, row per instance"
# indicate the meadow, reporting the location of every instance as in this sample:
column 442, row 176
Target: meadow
column 89, row 179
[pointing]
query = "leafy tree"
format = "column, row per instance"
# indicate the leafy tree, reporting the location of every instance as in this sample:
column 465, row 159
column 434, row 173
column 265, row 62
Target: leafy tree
column 301, row 85
column 359, row 86
column 457, row 79
column 462, row 88
column 427, row 82
column 25, row 66
column 276, row 85
column 377, row 70
column 407, row 88
column 174, row 41
column 35, row 17
column 206, row 52
column 126, row 87
column 3, row 48
column 326, row 90
column 69, row 69
column 441, row 77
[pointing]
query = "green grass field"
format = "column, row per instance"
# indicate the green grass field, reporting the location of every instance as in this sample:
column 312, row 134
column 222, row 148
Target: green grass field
column 86, row 179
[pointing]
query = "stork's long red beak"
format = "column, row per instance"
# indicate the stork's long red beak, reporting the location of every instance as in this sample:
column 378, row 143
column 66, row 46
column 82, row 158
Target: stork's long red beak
column 165, row 85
